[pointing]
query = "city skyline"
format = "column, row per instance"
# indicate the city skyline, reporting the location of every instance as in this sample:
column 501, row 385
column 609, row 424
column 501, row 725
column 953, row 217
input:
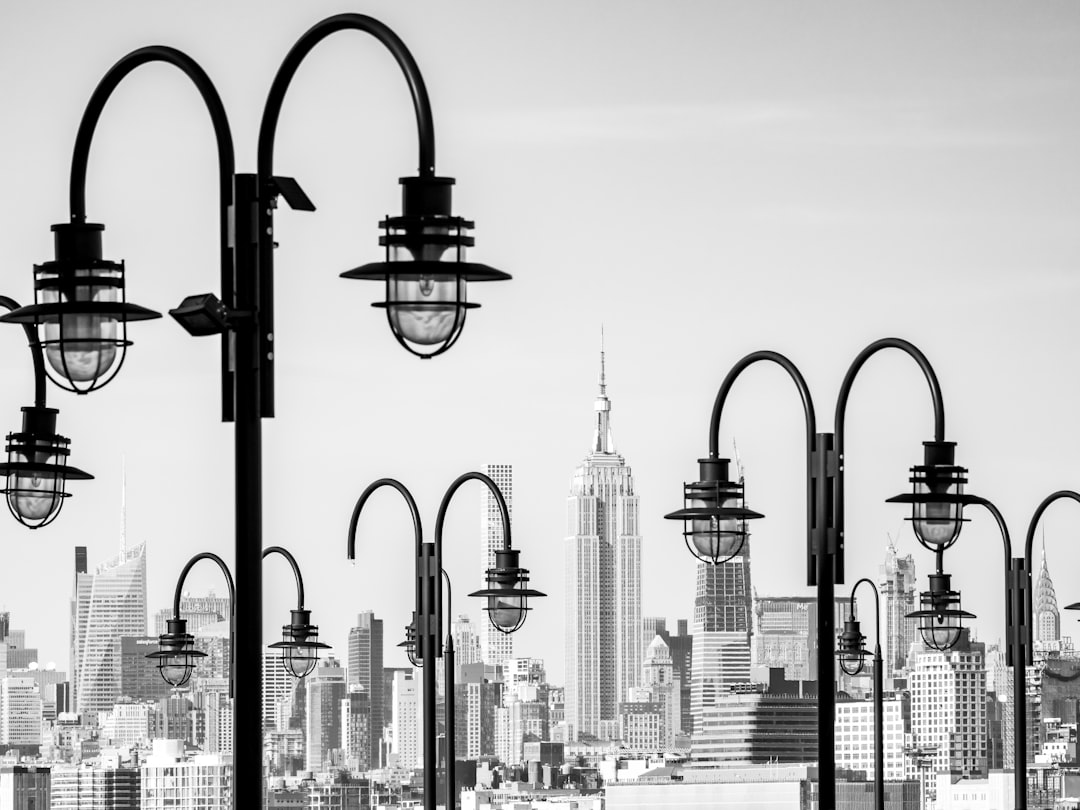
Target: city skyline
column 932, row 197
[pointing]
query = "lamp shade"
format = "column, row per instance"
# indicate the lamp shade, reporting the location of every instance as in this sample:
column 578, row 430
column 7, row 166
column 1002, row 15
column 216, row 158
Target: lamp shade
column 941, row 620
column 176, row 656
column 937, row 498
column 409, row 643
column 80, row 310
column 299, row 644
column 424, row 269
column 714, row 514
column 36, row 469
column 851, row 648
column 507, row 593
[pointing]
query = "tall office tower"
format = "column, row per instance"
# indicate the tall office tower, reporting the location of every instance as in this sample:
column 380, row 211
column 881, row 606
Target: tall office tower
column 495, row 646
column 109, row 604
column 277, row 689
column 356, row 728
column 1047, row 619
column 5, row 624
column 139, row 676
column 466, row 642
column 80, row 568
column 326, row 688
column 658, row 678
column 603, row 583
column 408, row 715
column 366, row 669
column 897, row 585
column 721, row 630
column 948, row 705
column 475, row 700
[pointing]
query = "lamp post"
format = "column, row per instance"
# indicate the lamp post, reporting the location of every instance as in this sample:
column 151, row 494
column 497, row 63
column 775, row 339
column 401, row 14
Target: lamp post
column 1018, row 651
column 507, row 602
column 177, row 656
column 851, row 651
column 714, row 511
column 81, row 312
column 36, row 469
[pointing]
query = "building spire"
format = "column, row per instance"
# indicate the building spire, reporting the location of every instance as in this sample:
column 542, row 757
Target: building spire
column 602, row 441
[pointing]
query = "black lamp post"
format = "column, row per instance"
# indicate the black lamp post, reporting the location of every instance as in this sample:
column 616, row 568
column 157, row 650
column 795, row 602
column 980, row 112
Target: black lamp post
column 851, row 652
column 36, row 469
column 177, row 656
column 507, row 597
column 81, row 312
column 713, row 521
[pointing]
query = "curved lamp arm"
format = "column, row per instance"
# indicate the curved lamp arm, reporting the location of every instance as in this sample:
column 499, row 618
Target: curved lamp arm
column 418, row 530
column 314, row 35
column 295, row 569
column 35, row 349
column 857, row 364
column 206, row 555
column 729, row 381
column 109, row 82
column 877, row 606
column 503, row 511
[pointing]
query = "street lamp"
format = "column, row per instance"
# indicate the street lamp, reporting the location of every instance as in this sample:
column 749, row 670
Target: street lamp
column 177, row 656
column 851, row 651
column 506, row 598
column 299, row 643
column 81, row 310
column 36, row 470
column 824, row 518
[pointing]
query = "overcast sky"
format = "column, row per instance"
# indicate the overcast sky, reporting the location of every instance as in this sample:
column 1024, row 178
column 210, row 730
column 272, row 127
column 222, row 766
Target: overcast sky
column 703, row 179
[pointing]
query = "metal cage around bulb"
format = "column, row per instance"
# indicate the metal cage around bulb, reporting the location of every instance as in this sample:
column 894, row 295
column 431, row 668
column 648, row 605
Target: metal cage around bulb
column 36, row 472
column 176, row 656
column 507, row 593
column 941, row 619
column 80, row 310
column 714, row 516
column 851, row 648
column 425, row 271
column 410, row 645
column 937, row 498
column 299, row 644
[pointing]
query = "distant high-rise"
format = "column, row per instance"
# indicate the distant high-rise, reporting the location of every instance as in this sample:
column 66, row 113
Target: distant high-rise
column 495, row 646
column 408, row 714
column 1047, row 618
column 326, row 688
column 948, row 705
column 898, row 590
column 366, row 669
column 603, row 582
column 108, row 605
column 721, row 630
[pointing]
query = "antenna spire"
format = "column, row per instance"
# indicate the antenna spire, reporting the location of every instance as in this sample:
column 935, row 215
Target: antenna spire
column 602, row 441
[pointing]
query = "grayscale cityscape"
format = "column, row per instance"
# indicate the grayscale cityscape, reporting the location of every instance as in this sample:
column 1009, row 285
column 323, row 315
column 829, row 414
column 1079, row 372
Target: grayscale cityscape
column 665, row 524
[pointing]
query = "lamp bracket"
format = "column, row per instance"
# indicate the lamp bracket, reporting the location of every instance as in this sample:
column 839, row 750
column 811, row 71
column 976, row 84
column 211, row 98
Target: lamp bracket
column 288, row 188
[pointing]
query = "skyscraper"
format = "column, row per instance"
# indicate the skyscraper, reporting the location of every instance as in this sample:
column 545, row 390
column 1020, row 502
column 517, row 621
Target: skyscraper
column 1047, row 624
column 495, row 646
column 107, row 605
column 603, row 582
column 897, row 584
column 326, row 689
column 721, row 630
column 366, row 669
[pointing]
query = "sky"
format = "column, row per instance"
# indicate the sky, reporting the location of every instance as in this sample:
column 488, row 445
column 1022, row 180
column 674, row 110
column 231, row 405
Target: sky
column 700, row 179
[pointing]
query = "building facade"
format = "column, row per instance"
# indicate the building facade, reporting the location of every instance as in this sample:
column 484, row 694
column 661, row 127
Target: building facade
column 603, row 577
column 365, row 668
column 495, row 646
column 721, row 631
column 326, row 688
column 897, row 586
column 948, row 705
column 108, row 604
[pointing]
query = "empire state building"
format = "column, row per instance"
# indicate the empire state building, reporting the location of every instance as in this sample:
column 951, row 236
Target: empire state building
column 603, row 584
